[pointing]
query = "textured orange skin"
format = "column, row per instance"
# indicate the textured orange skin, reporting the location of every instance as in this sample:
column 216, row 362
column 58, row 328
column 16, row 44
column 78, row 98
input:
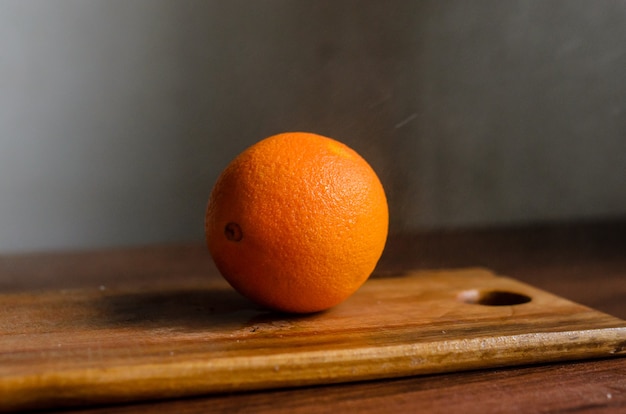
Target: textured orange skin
column 313, row 217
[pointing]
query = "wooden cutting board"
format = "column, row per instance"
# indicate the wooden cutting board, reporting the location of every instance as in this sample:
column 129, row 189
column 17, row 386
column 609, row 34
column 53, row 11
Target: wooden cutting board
column 79, row 347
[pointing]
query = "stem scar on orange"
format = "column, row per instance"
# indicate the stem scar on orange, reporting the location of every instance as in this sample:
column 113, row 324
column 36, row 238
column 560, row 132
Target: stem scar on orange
column 297, row 222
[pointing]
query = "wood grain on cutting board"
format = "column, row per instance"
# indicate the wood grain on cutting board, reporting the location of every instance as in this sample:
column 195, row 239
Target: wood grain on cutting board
column 76, row 347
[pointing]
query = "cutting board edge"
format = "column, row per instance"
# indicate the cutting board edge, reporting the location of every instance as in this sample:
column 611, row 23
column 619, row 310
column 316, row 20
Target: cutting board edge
column 201, row 377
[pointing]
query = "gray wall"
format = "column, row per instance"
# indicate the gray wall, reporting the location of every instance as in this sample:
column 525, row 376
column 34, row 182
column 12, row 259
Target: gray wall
column 117, row 116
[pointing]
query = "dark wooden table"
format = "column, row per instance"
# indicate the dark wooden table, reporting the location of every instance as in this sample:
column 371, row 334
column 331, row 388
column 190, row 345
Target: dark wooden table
column 584, row 262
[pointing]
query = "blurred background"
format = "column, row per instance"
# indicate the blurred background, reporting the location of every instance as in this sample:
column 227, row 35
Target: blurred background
column 116, row 116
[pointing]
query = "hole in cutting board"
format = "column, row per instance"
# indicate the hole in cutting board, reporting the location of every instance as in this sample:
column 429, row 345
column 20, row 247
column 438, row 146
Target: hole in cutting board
column 493, row 297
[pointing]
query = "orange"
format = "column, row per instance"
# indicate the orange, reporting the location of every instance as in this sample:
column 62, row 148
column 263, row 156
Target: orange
column 297, row 222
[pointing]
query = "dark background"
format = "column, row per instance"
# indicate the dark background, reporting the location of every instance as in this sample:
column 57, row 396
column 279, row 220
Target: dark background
column 117, row 116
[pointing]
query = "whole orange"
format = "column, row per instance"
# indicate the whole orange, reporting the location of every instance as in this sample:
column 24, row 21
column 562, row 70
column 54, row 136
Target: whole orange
column 297, row 222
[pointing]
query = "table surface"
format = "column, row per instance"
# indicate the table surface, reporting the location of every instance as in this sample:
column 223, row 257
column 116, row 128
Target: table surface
column 584, row 262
